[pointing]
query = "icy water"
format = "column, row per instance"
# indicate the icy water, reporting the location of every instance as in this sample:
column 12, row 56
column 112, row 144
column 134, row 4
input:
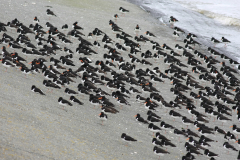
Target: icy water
column 206, row 19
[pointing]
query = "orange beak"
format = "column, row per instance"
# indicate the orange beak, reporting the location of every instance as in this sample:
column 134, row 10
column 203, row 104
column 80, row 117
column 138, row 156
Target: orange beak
column 30, row 63
column 236, row 142
column 135, row 116
column 197, row 128
column 187, row 139
column 230, row 126
column 8, row 46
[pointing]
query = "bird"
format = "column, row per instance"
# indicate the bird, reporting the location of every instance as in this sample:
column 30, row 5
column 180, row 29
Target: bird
column 219, row 130
column 127, row 138
column 214, row 40
column 70, row 92
column 206, row 139
column 137, row 29
column 172, row 20
column 103, row 117
column 228, row 146
column 167, row 143
column 75, row 26
column 153, row 119
column 109, row 109
column 156, row 142
column 191, row 133
column 123, row 10
column 159, row 151
column 116, row 16
column 174, row 114
column 179, row 133
column 36, row 20
column 6, row 64
column 64, row 102
column 204, row 131
column 65, row 27
column 165, row 125
column 149, row 34
column 150, row 113
column 160, row 136
column 153, row 128
column 187, row 121
column 14, row 46
column 224, row 40
column 223, row 118
column 231, row 136
column 175, row 34
column 235, row 129
column 192, row 150
column 140, row 119
column 74, row 99
column 50, row 13
column 37, row 90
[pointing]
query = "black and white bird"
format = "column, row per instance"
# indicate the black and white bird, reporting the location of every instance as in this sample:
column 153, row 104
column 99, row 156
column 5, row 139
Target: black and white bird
column 127, row 138
column 50, row 13
column 224, row 40
column 74, row 99
column 123, row 10
column 70, row 92
column 228, row 146
column 64, row 102
column 159, row 151
column 36, row 20
column 140, row 119
column 153, row 128
column 37, row 90
column 103, row 117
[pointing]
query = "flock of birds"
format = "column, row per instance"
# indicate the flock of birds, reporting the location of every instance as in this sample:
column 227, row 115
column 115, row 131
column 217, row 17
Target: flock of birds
column 223, row 84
